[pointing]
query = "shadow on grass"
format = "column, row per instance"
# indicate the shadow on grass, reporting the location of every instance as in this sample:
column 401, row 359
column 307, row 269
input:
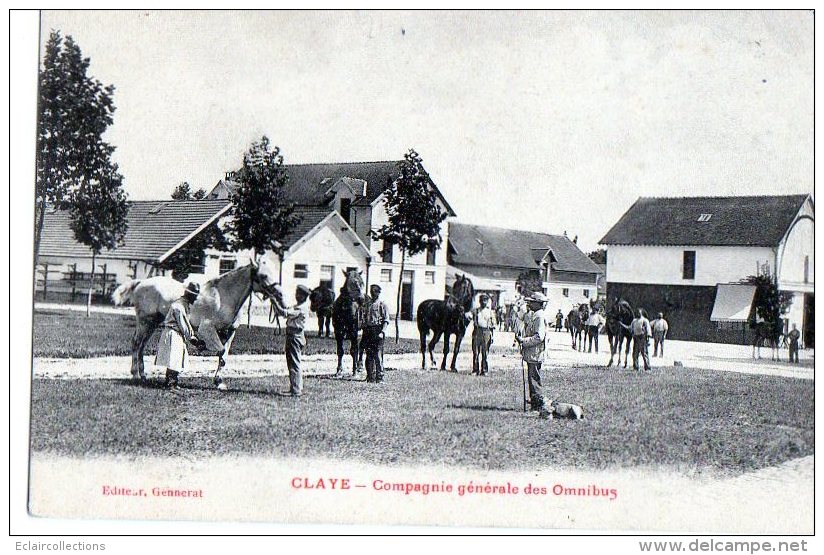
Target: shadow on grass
column 485, row 408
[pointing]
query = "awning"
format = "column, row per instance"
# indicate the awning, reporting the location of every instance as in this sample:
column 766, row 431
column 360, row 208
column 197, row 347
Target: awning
column 733, row 302
column 479, row 283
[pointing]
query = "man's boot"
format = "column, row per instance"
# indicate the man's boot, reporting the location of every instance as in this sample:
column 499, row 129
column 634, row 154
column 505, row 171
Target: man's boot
column 171, row 380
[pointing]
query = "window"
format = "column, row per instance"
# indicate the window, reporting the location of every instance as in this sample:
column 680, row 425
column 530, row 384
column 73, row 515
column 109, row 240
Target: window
column 408, row 275
column 565, row 292
column 386, row 275
column 586, row 293
column 301, row 271
column 430, row 278
column 346, row 209
column 704, row 217
column 807, row 269
column 430, row 255
column 327, row 277
column 386, row 251
column 227, row 265
column 689, row 264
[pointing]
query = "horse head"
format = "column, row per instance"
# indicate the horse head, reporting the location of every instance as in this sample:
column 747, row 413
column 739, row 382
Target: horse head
column 353, row 287
column 463, row 295
column 264, row 277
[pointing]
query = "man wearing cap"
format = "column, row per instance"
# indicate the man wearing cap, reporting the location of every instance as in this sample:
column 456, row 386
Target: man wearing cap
column 641, row 331
column 177, row 331
column 296, row 318
column 659, row 333
column 559, row 321
column 484, row 325
column 376, row 320
column 532, row 341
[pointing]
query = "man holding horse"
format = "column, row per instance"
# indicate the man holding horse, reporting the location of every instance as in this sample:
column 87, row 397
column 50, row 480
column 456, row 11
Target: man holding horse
column 376, row 320
column 641, row 331
column 177, row 331
column 296, row 318
column 532, row 342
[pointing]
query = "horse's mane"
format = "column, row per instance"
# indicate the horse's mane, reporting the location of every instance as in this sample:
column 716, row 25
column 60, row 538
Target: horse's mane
column 221, row 278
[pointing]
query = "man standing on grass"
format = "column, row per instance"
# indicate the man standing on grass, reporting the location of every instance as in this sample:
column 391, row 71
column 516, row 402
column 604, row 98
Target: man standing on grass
column 177, row 331
column 594, row 324
column 532, row 339
column 296, row 318
column 659, row 333
column 376, row 320
column 483, row 326
column 641, row 331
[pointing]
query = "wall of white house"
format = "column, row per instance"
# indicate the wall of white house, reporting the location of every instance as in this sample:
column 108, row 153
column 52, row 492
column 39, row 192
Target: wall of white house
column 796, row 270
column 566, row 296
column 124, row 270
column 665, row 264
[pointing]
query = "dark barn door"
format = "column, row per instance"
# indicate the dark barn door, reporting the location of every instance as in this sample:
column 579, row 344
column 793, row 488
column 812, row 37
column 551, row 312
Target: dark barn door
column 809, row 321
column 406, row 296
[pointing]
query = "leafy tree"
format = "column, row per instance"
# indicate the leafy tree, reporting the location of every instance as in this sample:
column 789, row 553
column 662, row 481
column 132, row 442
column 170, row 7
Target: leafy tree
column 189, row 258
column 262, row 217
column 598, row 256
column 529, row 282
column 770, row 303
column 184, row 192
column 74, row 111
column 414, row 216
column 98, row 214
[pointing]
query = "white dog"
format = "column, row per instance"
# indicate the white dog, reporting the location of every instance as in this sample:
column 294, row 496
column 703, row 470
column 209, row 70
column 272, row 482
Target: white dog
column 565, row 410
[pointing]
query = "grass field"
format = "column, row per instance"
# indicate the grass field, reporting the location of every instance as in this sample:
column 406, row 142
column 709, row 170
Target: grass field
column 69, row 334
column 693, row 421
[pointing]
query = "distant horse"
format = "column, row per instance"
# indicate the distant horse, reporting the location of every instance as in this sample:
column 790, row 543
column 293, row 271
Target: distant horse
column 213, row 315
column 321, row 301
column 576, row 323
column 767, row 334
column 346, row 318
column 446, row 318
column 619, row 317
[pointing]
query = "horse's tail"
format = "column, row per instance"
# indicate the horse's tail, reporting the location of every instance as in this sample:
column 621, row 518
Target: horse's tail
column 123, row 294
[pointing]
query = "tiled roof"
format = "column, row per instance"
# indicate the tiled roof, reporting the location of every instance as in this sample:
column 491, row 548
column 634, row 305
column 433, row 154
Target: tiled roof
column 310, row 216
column 155, row 227
column 308, row 183
column 495, row 246
column 717, row 221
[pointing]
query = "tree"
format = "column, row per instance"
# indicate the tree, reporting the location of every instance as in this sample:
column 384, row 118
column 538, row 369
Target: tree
column 74, row 111
column 189, row 258
column 98, row 214
column 598, row 256
column 770, row 303
column 262, row 216
column 529, row 282
column 414, row 216
column 184, row 192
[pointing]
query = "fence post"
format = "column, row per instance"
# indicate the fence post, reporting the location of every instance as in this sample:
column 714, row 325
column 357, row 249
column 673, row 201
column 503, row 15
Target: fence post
column 104, row 267
column 72, row 279
column 45, row 281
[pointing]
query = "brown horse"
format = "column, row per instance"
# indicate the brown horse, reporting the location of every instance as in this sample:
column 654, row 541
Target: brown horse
column 449, row 317
column 619, row 317
column 346, row 318
column 321, row 301
column 767, row 334
column 214, row 315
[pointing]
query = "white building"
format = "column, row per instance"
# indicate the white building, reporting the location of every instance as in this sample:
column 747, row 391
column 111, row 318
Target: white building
column 678, row 256
column 494, row 257
column 355, row 192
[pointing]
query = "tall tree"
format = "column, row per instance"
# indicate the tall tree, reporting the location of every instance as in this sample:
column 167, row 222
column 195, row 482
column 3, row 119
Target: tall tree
column 262, row 216
column 414, row 216
column 598, row 256
column 98, row 214
column 74, row 110
column 190, row 257
column 529, row 282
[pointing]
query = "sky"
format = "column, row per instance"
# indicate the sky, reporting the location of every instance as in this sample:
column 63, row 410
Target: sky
column 549, row 121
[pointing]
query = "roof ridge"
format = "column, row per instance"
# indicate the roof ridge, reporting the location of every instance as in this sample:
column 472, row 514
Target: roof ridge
column 725, row 196
column 509, row 229
column 343, row 163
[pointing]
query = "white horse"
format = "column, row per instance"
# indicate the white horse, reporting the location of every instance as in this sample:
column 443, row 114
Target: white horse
column 214, row 315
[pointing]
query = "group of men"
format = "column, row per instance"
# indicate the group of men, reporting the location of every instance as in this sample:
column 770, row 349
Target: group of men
column 642, row 329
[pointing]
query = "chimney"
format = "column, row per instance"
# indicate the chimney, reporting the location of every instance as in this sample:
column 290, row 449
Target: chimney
column 575, row 240
column 230, row 176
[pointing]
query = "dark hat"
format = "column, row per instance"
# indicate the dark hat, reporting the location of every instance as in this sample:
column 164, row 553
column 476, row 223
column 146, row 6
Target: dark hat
column 375, row 286
column 192, row 291
column 304, row 289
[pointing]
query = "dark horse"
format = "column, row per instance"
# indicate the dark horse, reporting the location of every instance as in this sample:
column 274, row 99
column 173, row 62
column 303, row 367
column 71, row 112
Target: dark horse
column 619, row 317
column 577, row 323
column 321, row 301
column 769, row 335
column 346, row 317
column 446, row 318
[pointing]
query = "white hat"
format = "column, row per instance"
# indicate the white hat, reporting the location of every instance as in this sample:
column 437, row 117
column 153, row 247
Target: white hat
column 538, row 297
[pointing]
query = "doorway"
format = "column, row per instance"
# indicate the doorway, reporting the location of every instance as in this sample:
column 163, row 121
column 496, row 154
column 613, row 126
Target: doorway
column 808, row 332
column 406, row 295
